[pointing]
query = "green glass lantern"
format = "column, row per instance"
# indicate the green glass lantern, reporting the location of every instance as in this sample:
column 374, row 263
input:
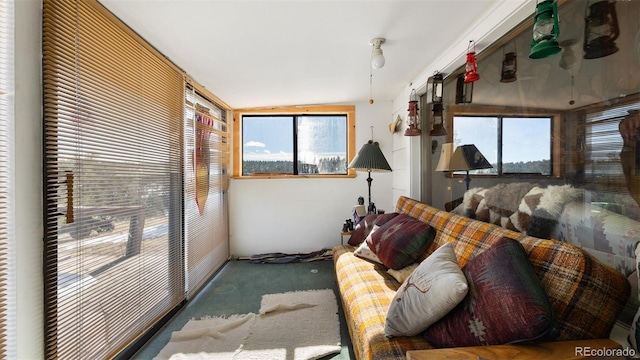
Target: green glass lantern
column 545, row 30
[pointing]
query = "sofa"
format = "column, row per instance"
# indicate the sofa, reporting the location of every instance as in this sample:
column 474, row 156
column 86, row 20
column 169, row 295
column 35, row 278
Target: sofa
column 563, row 212
column 560, row 212
column 586, row 296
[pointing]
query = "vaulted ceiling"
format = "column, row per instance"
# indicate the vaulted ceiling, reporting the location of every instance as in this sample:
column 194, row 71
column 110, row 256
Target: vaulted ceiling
column 299, row 52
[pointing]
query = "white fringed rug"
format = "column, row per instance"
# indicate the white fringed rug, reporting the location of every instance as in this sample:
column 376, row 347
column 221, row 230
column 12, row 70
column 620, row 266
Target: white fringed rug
column 298, row 325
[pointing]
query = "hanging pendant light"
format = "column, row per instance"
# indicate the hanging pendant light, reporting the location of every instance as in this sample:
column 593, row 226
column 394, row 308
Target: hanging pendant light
column 509, row 67
column 544, row 42
column 471, row 66
column 413, row 120
column 600, row 29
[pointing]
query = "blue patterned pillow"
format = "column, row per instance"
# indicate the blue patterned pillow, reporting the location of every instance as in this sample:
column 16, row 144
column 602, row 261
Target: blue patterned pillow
column 401, row 241
column 505, row 303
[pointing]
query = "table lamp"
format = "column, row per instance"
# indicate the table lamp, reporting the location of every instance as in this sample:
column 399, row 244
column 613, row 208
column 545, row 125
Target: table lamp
column 370, row 158
column 465, row 157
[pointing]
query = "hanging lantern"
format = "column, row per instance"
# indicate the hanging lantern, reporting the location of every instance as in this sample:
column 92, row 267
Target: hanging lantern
column 509, row 67
column 413, row 120
column 471, row 67
column 437, row 87
column 438, row 121
column 600, row 30
column 464, row 90
column 545, row 30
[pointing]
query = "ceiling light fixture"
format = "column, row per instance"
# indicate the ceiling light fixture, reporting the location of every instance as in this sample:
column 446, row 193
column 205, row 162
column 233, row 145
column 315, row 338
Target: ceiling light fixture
column 377, row 62
column 568, row 57
column 377, row 57
column 568, row 61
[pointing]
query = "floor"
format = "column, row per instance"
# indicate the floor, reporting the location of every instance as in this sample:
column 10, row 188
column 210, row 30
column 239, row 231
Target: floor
column 238, row 288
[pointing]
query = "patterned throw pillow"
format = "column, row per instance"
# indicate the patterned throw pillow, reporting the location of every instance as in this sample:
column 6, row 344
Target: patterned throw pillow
column 505, row 303
column 364, row 227
column 362, row 230
column 435, row 287
column 401, row 241
column 364, row 252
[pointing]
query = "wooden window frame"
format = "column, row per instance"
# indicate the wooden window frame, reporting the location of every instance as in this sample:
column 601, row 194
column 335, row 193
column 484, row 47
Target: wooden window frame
column 557, row 133
column 348, row 110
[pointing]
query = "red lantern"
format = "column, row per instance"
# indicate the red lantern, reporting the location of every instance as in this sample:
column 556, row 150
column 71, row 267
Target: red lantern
column 471, row 67
column 413, row 120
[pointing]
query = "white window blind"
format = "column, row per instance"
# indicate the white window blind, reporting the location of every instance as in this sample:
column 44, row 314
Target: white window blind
column 113, row 111
column 7, row 185
column 206, row 179
column 603, row 145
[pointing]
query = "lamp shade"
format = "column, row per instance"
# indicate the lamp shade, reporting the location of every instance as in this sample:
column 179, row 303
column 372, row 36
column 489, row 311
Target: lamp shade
column 370, row 158
column 468, row 157
column 445, row 157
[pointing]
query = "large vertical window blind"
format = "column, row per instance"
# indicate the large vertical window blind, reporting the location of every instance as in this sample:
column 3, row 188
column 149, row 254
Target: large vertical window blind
column 7, row 205
column 113, row 133
column 206, row 179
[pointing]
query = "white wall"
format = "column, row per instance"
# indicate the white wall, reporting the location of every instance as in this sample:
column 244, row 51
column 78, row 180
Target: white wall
column 299, row 215
column 28, row 177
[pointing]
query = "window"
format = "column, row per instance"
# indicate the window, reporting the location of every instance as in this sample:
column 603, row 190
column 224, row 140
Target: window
column 603, row 143
column 206, row 229
column 515, row 144
column 113, row 152
column 315, row 141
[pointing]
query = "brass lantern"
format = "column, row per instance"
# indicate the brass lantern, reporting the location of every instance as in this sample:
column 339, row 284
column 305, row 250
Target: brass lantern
column 413, row 120
column 600, row 30
column 544, row 42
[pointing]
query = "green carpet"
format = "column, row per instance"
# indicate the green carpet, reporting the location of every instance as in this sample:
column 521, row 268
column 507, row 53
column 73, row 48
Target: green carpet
column 238, row 288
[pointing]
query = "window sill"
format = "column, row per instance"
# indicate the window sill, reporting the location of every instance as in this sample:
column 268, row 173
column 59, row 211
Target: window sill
column 278, row 176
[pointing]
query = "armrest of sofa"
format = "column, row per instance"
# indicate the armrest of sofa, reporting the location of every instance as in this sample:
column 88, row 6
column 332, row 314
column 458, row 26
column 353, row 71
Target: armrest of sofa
column 608, row 236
